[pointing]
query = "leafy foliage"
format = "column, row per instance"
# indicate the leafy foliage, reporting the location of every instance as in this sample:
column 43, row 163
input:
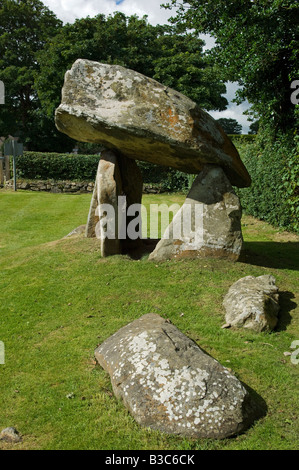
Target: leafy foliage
column 165, row 178
column 230, row 126
column 25, row 27
column 44, row 166
column 155, row 51
column 274, row 169
column 56, row 166
column 256, row 45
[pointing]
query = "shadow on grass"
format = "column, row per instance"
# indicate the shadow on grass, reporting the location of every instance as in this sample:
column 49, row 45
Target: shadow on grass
column 286, row 306
column 145, row 248
column 256, row 407
column 277, row 255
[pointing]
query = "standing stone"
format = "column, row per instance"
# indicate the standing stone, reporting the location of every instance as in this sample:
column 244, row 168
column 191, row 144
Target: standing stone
column 168, row 383
column 208, row 223
column 253, row 303
column 118, row 185
column 108, row 187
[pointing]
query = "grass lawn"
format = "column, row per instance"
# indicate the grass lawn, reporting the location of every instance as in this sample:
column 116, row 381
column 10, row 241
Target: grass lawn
column 59, row 300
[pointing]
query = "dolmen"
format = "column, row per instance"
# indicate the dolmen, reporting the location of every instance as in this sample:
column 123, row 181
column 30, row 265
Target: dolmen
column 136, row 118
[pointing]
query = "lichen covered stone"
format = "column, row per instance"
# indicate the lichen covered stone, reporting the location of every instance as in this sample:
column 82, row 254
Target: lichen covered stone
column 168, row 383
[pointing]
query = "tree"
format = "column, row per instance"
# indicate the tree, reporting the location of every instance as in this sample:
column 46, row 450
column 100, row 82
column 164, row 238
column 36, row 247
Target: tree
column 25, row 27
column 230, row 126
column 183, row 66
column 254, row 127
column 256, row 45
column 156, row 51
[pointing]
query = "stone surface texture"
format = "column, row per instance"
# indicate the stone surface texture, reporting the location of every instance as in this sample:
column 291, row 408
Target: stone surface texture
column 10, row 434
column 215, row 214
column 168, row 383
column 116, row 176
column 253, row 303
column 143, row 119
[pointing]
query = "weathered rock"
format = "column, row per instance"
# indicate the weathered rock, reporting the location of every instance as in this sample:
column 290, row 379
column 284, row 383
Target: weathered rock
column 168, row 383
column 208, row 223
column 117, row 176
column 253, row 303
column 10, row 435
column 76, row 232
column 145, row 120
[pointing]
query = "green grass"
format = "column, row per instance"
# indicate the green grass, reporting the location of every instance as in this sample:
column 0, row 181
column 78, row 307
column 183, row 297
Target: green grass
column 59, row 300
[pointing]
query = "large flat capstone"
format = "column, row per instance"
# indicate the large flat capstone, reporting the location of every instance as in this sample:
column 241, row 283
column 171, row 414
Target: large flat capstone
column 168, row 383
column 145, row 120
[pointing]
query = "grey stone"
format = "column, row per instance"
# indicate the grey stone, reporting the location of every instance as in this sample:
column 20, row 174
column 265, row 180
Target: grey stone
column 168, row 383
column 117, row 176
column 215, row 229
column 77, row 231
column 10, row 435
column 253, row 303
column 126, row 111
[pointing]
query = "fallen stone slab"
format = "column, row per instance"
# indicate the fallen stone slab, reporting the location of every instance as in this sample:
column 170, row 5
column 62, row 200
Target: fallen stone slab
column 127, row 111
column 169, row 384
column 208, row 224
column 253, row 303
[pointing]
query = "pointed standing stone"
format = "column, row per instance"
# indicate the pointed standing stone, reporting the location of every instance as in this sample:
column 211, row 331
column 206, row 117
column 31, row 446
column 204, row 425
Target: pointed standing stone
column 208, row 223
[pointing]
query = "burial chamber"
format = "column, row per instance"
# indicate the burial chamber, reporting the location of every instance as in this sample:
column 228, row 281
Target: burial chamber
column 136, row 118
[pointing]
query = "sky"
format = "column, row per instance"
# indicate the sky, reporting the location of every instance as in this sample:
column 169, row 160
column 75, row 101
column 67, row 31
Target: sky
column 69, row 10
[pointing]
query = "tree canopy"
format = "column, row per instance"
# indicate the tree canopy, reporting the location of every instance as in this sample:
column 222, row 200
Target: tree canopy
column 159, row 52
column 230, row 126
column 25, row 27
column 256, row 45
column 36, row 50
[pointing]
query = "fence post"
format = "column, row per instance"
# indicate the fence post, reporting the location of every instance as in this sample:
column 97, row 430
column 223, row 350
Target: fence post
column 14, row 149
column 1, row 169
column 7, row 167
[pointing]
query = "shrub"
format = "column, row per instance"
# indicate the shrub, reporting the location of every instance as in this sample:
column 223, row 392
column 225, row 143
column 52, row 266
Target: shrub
column 167, row 179
column 56, row 166
column 274, row 168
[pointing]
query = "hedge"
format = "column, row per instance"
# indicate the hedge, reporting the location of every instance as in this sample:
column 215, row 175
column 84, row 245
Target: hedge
column 56, row 166
column 274, row 169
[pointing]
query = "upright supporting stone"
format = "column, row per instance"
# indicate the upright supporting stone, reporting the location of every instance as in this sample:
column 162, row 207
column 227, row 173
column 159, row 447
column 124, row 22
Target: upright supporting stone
column 118, row 185
column 208, row 223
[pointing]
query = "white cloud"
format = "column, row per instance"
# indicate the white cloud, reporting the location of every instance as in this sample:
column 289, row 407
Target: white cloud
column 69, row 10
